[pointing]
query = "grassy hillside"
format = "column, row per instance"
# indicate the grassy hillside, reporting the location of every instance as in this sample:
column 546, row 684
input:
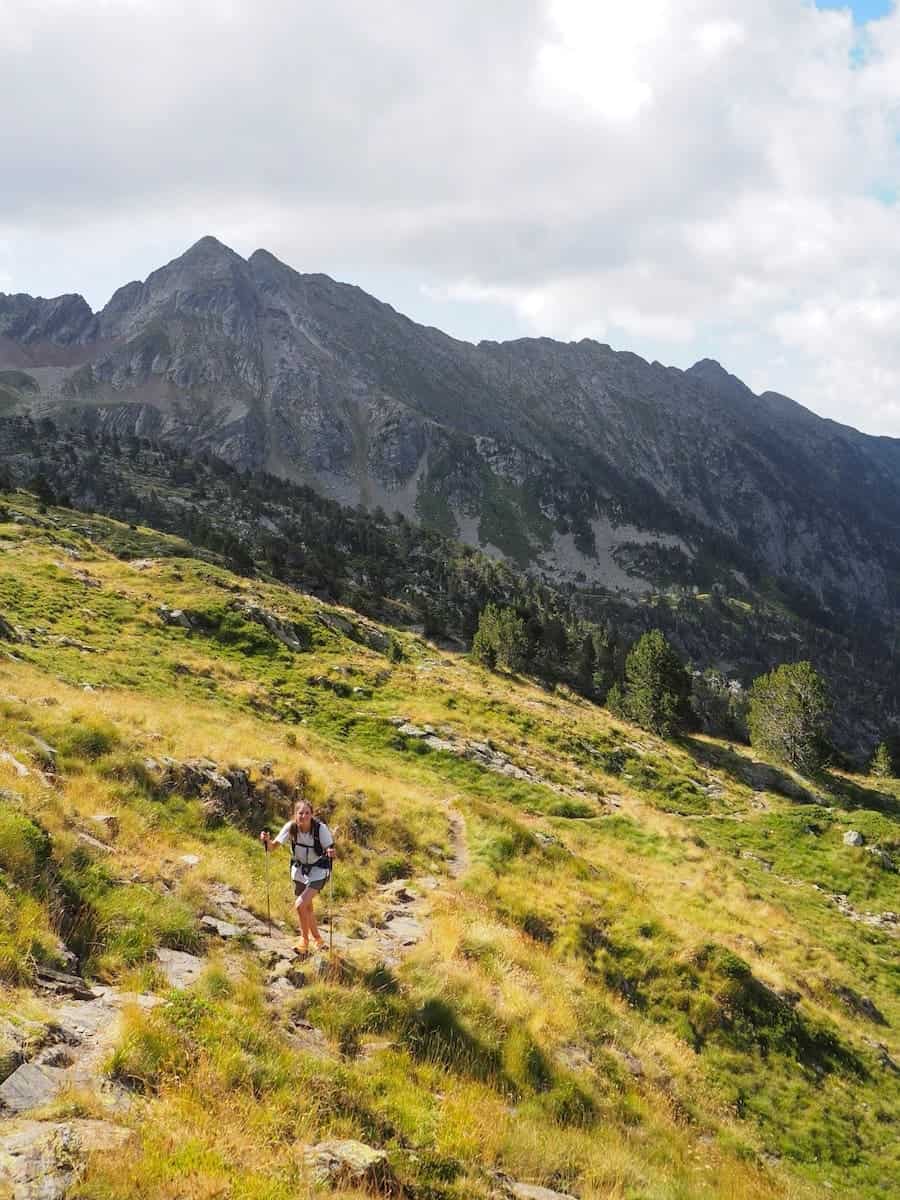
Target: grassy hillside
column 640, row 974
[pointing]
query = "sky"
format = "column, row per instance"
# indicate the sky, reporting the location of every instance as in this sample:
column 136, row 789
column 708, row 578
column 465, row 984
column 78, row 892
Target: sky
column 680, row 178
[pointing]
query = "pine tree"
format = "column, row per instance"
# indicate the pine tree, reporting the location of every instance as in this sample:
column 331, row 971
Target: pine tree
column 511, row 640
column 615, row 701
column 658, row 686
column 484, row 643
column 882, row 765
column 587, row 665
column 500, row 639
column 788, row 715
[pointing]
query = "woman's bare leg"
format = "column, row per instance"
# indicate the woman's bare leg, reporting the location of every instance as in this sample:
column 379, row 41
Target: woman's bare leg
column 301, row 920
column 306, row 905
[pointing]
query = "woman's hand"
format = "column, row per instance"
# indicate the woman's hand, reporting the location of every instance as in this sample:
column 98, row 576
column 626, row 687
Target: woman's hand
column 265, row 839
column 329, row 853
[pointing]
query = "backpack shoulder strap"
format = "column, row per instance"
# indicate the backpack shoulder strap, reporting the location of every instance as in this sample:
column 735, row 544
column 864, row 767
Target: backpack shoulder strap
column 317, row 837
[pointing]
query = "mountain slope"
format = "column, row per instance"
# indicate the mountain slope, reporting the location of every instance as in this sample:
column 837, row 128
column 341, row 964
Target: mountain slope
column 567, row 457
column 658, row 975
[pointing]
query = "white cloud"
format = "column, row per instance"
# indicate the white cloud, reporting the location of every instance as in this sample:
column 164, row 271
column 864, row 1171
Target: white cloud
column 680, row 178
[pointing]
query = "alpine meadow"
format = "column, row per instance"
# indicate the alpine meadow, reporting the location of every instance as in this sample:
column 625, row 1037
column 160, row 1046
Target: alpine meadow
column 449, row 600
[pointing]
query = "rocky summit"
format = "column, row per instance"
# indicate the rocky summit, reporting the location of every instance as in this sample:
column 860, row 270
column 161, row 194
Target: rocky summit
column 592, row 465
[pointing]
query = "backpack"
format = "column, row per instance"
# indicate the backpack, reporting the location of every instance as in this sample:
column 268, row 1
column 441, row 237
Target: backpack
column 321, row 858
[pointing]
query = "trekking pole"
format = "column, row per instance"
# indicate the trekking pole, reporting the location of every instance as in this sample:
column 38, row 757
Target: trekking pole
column 331, row 910
column 268, row 896
column 335, row 832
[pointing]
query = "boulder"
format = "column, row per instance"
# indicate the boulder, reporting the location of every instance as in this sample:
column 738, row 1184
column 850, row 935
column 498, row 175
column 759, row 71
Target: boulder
column 30, row 1086
column 410, row 730
column 61, row 983
column 344, row 1162
column 179, row 968
column 373, row 637
column 295, row 637
column 173, row 616
column 41, row 1160
column 433, row 742
column 95, row 844
column 853, row 838
column 513, row 1189
column 404, row 929
column 224, row 929
column 337, row 624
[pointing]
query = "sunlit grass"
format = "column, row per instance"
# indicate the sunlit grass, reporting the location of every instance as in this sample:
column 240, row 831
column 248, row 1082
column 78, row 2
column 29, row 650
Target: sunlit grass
column 572, row 1017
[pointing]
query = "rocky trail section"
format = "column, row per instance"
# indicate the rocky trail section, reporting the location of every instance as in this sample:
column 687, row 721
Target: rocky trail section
column 42, row 1159
column 40, row 1063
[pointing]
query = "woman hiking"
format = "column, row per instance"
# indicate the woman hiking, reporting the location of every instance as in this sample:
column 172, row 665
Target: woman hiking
column 312, row 848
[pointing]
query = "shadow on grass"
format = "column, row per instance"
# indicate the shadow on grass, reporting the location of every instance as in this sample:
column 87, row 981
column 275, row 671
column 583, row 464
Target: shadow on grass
column 434, row 1034
column 850, row 794
column 760, row 776
column 763, row 776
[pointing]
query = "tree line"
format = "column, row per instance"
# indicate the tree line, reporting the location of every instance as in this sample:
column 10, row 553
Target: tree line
column 784, row 713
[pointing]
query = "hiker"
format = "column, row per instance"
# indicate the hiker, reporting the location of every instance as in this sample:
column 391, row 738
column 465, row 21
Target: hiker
column 312, row 849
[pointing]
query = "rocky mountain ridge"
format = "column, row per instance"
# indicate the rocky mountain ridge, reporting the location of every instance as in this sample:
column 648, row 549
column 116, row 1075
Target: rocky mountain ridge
column 574, row 459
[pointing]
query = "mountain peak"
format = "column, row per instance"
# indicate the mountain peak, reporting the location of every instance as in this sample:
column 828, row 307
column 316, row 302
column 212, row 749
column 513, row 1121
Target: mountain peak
column 207, row 249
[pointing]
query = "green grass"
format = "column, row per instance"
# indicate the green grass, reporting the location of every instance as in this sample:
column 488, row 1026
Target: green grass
column 609, row 915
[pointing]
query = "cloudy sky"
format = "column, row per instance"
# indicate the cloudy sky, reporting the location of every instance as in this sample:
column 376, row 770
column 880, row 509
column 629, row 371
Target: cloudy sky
column 683, row 178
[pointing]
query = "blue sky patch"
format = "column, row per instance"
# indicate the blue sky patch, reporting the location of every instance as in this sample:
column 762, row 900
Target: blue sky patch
column 863, row 10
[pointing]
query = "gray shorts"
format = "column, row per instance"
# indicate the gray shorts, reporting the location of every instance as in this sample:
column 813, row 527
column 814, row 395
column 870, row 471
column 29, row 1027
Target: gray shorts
column 300, row 885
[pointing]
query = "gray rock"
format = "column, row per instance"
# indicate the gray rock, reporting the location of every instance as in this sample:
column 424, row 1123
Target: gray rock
column 436, row 743
column 179, row 968
column 173, row 616
column 47, row 752
column 41, row 1160
column 410, row 730
column 404, row 929
column 344, row 1162
column 30, row 1086
column 224, row 929
column 61, row 983
column 512, row 1189
column 190, row 860
column 337, row 624
column 282, row 630
column 853, row 838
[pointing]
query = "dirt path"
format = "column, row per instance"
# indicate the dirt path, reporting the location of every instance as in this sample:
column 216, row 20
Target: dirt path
column 460, row 861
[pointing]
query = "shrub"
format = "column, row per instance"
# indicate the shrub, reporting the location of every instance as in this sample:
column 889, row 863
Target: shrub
column 89, row 739
column 568, row 1104
column 24, row 848
column 395, row 866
